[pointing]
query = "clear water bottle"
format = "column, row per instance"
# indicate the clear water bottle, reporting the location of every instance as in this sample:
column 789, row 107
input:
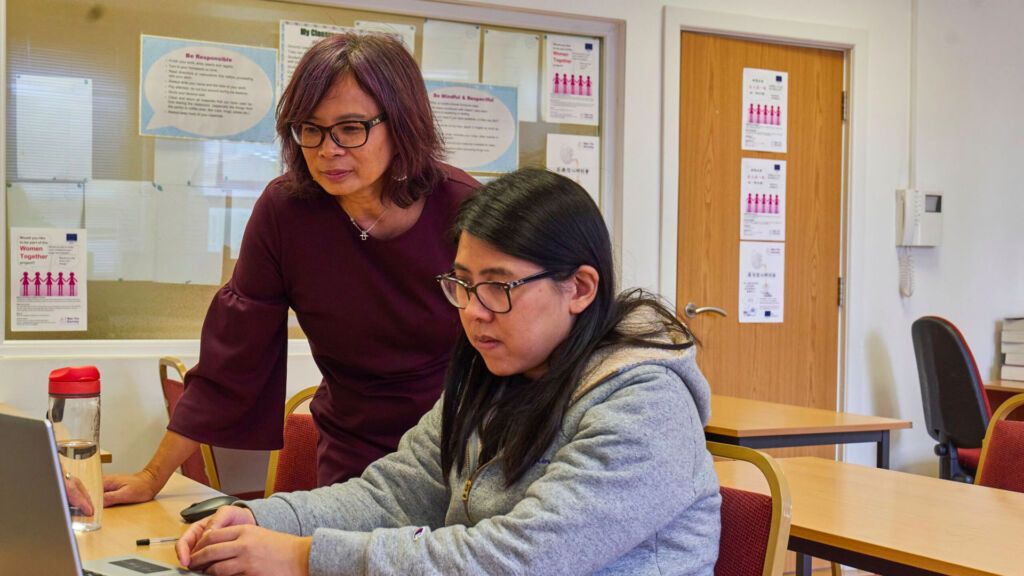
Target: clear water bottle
column 75, row 413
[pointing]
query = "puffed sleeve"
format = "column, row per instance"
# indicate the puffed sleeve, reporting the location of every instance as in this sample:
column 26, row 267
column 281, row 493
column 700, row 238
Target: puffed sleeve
column 234, row 397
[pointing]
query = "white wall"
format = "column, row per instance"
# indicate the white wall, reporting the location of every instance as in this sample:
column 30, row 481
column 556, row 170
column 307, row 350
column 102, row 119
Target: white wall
column 968, row 84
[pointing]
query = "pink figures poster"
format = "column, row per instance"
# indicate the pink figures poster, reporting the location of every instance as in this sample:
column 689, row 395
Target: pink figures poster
column 765, row 110
column 48, row 279
column 572, row 80
column 762, row 199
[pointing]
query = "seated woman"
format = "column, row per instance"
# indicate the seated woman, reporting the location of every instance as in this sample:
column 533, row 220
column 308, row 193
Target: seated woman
column 569, row 439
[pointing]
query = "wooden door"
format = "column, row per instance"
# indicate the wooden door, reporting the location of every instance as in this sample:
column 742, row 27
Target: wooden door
column 794, row 362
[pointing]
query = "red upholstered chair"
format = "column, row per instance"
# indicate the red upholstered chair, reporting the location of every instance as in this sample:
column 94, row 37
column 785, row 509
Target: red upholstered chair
column 755, row 527
column 293, row 467
column 956, row 408
column 200, row 466
column 1002, row 454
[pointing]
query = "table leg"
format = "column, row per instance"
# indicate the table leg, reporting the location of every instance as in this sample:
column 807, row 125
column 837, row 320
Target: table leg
column 882, row 452
column 803, row 564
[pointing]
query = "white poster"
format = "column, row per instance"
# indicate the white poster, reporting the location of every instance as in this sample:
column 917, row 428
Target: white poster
column 572, row 79
column 762, row 199
column 451, row 51
column 195, row 89
column 45, row 204
column 406, row 33
column 478, row 124
column 578, row 158
column 512, row 58
column 49, row 108
column 242, row 204
column 190, row 235
column 762, row 282
column 120, row 216
column 295, row 39
column 215, row 163
column 48, row 274
column 765, row 115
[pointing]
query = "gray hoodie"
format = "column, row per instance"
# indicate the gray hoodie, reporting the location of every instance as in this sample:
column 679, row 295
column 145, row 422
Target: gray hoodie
column 627, row 488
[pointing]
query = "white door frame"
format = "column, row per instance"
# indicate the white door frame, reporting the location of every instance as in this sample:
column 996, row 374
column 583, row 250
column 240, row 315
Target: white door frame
column 854, row 43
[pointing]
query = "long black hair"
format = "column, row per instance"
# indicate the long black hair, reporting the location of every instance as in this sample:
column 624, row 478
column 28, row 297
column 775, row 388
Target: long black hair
column 551, row 221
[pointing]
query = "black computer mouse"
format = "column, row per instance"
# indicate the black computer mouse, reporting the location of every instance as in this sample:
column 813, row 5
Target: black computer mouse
column 200, row 510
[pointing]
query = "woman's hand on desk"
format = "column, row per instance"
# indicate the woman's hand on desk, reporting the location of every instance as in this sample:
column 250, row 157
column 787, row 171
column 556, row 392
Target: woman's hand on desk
column 229, row 542
column 129, row 488
column 143, row 486
column 78, row 495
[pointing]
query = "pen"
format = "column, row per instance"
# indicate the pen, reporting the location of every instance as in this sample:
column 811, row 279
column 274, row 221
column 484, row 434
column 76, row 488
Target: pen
column 148, row 541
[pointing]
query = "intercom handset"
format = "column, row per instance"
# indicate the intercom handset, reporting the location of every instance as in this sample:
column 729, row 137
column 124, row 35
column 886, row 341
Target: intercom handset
column 918, row 218
column 918, row 224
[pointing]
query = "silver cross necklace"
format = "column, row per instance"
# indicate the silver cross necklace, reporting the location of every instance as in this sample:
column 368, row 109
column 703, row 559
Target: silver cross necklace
column 364, row 234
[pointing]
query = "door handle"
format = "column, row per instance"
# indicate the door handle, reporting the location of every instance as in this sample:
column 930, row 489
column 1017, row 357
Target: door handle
column 691, row 310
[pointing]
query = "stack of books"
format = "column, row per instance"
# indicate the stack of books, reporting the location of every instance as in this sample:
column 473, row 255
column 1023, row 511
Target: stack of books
column 1012, row 347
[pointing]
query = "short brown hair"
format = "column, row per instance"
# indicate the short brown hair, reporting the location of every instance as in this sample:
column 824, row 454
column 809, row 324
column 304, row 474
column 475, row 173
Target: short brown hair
column 386, row 71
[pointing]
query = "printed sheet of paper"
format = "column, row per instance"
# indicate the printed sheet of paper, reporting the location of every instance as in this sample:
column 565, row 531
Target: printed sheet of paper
column 190, row 235
column 215, row 163
column 45, row 204
column 762, row 199
column 121, row 218
column 578, row 158
column 53, row 116
column 762, row 282
column 193, row 89
column 295, row 39
column 478, row 123
column 451, row 51
column 250, row 164
column 242, row 203
column 511, row 58
column 183, row 162
column 404, row 32
column 48, row 280
column 765, row 110
column 572, row 79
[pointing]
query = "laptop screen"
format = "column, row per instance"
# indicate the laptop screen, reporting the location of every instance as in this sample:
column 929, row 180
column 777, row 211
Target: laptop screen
column 35, row 525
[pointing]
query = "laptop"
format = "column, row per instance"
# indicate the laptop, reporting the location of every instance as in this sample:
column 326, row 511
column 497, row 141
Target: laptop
column 36, row 538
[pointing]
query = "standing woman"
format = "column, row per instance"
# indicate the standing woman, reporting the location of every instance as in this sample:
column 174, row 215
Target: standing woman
column 350, row 238
column 569, row 439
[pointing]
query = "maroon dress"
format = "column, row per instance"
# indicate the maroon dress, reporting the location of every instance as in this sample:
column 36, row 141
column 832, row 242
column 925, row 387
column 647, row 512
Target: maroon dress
column 379, row 328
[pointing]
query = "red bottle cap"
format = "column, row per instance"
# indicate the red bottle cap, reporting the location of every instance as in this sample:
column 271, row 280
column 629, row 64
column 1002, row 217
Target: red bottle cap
column 75, row 381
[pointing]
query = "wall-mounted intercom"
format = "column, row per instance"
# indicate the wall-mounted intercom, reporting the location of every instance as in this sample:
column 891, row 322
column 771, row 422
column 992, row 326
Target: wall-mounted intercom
column 918, row 218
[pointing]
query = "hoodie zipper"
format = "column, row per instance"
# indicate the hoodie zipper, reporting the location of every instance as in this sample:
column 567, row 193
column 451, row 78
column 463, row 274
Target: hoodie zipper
column 469, row 484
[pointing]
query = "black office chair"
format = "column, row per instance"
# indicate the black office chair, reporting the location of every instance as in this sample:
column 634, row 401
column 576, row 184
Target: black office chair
column 956, row 410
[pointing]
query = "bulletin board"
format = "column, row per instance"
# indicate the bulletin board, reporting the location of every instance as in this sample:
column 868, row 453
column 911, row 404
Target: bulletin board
column 163, row 206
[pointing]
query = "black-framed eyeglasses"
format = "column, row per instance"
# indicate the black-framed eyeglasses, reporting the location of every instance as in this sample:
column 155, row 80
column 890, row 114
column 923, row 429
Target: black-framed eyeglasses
column 346, row 134
column 495, row 296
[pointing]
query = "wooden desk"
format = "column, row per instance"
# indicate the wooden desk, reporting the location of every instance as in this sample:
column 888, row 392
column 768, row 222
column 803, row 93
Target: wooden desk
column 105, row 457
column 999, row 391
column 889, row 522
column 758, row 424
column 123, row 525
column 1011, row 386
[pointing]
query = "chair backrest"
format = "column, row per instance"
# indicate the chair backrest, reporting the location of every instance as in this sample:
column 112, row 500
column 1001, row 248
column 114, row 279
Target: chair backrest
column 956, row 408
column 1002, row 454
column 755, row 527
column 294, row 466
column 200, row 466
